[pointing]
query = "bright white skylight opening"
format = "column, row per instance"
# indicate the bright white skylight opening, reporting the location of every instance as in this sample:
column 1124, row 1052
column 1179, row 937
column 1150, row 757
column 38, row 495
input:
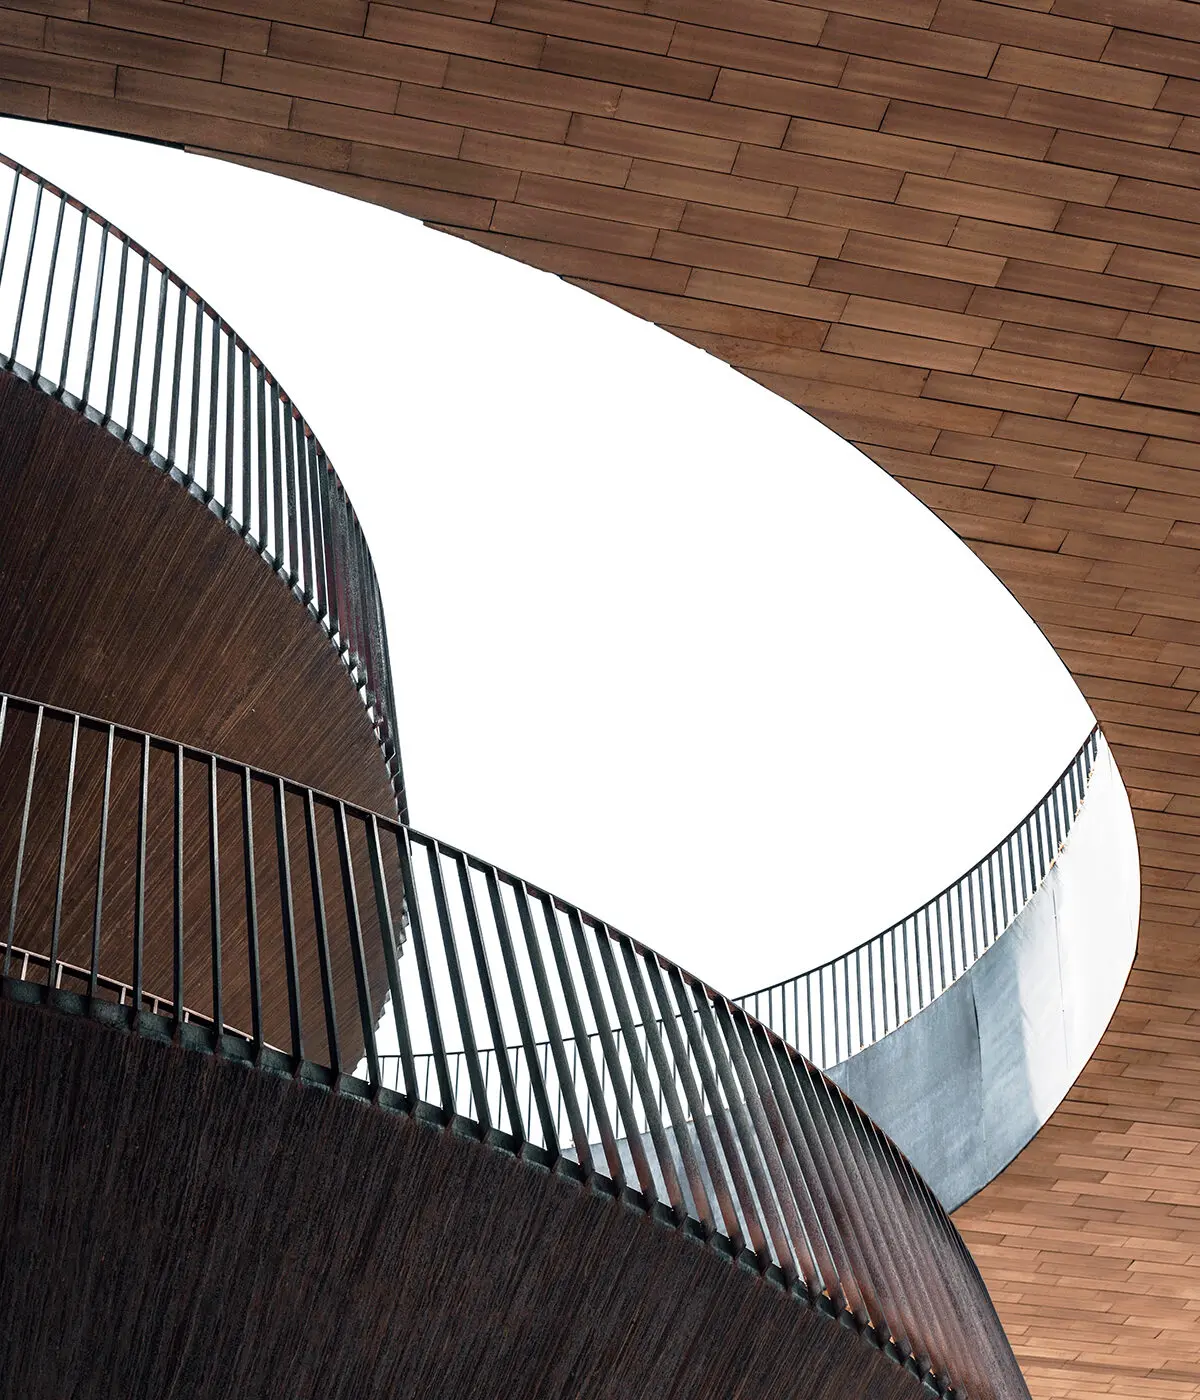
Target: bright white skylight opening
column 661, row 643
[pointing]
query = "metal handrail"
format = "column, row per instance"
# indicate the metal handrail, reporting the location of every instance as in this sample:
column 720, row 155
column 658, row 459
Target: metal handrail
column 292, row 930
column 66, row 973
column 902, row 984
column 833, row 1011
column 93, row 319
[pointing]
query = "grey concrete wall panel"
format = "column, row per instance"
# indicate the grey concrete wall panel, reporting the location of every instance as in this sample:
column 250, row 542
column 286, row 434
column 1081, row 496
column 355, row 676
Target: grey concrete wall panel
column 966, row 1084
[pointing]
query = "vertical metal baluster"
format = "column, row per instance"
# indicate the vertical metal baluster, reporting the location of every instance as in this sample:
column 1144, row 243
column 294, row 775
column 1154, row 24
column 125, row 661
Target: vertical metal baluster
column 56, row 928
column 330, row 544
column 177, row 374
column 137, row 349
column 214, row 399
column 696, row 1116
column 610, row 1059
column 302, row 484
column 260, row 534
column 991, row 874
column 969, row 882
column 821, row 990
column 550, row 1017
column 247, row 455
column 416, row 928
column 837, row 1013
column 388, row 931
column 318, row 897
column 765, row 1098
column 1012, row 880
column 319, row 529
column 230, row 401
column 8, row 222
column 739, row 1209
column 908, row 1002
column 119, row 316
column 69, row 333
column 251, row 912
column 277, row 477
column 507, row 1086
column 350, row 583
column 194, row 412
column 769, row 1240
column 592, row 1080
column 214, row 893
column 1022, row 845
column 891, row 937
column 164, row 281
column 357, row 952
column 537, row 1085
column 93, row 979
column 49, row 297
column 458, row 991
column 139, row 904
column 292, row 561
column 675, row 1129
column 288, row 918
column 916, row 947
column 928, row 944
column 12, row 913
column 33, row 233
column 94, row 328
column 858, row 990
column 177, row 912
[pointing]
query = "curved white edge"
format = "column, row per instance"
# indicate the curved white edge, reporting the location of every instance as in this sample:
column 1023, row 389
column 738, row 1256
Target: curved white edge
column 965, row 1085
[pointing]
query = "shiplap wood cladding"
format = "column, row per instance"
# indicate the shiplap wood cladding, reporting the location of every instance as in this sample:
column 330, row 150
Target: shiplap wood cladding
column 964, row 235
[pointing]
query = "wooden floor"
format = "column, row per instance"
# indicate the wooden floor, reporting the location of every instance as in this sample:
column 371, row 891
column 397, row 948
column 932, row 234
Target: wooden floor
column 964, row 235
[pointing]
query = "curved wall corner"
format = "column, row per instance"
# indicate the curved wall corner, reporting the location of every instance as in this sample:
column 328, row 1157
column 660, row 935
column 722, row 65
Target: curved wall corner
column 966, row 1084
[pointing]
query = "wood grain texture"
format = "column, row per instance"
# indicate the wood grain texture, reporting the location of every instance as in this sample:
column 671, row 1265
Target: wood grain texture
column 182, row 1226
column 128, row 600
column 964, row 235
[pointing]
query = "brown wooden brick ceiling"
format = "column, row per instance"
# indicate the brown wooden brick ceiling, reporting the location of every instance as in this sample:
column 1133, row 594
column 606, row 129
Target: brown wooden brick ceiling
column 964, row 235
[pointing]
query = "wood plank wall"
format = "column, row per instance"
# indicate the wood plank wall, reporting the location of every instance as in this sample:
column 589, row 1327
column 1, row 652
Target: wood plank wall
column 964, row 235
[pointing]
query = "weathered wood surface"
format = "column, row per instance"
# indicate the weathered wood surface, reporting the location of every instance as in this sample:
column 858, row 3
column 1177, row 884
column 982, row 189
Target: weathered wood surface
column 181, row 1226
column 967, row 237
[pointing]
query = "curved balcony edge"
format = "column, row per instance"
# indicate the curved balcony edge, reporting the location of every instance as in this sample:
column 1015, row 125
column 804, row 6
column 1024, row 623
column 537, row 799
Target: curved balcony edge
column 986, row 1064
column 93, row 320
column 838, row 1009
column 735, row 1139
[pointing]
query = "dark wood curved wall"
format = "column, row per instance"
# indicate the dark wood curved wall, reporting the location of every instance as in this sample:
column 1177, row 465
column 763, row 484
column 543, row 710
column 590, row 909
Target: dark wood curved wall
column 126, row 599
column 964, row 235
column 181, row 1226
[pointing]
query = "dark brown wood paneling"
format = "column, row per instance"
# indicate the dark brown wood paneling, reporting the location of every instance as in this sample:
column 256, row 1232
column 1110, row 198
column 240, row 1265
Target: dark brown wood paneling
column 1016, row 179
column 127, row 599
column 181, row 1226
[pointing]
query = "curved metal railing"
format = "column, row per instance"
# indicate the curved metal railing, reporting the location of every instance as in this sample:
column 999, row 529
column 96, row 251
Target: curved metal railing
column 96, row 321
column 839, row 1008
column 899, row 971
column 240, row 896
